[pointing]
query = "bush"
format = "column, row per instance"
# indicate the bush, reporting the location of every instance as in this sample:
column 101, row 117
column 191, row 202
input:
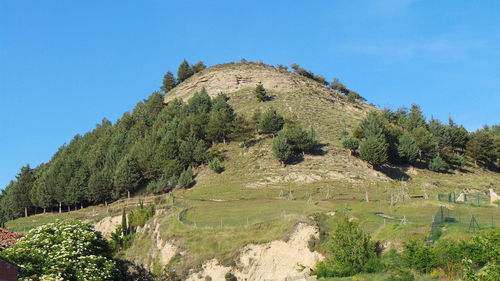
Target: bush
column 417, row 255
column 350, row 143
column 400, row 275
column 281, row 149
column 352, row 252
column 230, row 277
column 64, row 251
column 215, row 166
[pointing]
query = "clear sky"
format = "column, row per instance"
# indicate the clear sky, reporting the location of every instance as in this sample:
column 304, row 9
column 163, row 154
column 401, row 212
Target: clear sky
column 65, row 65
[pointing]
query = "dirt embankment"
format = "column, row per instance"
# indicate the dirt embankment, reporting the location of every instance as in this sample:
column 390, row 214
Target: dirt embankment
column 275, row 260
column 108, row 225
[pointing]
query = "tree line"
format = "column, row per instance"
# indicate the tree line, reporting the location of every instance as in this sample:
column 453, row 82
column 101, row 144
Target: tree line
column 404, row 136
column 154, row 146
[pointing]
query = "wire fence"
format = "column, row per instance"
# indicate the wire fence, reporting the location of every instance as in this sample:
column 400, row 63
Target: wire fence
column 464, row 222
column 474, row 199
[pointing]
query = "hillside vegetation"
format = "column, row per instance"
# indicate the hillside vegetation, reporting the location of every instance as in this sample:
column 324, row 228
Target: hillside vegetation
column 242, row 153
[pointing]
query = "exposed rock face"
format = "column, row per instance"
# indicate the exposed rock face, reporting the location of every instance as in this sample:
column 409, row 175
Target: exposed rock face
column 232, row 77
column 108, row 225
column 275, row 260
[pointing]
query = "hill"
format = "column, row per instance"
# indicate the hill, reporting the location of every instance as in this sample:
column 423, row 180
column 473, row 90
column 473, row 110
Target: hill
column 241, row 220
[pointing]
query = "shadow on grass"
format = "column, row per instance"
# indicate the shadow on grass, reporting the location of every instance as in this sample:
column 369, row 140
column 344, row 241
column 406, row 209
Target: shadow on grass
column 395, row 173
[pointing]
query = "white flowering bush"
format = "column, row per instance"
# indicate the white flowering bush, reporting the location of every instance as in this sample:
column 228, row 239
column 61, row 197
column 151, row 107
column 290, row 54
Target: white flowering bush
column 64, row 251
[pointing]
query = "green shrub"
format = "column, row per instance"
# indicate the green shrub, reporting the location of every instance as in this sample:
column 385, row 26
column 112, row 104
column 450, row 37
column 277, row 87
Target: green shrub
column 215, row 166
column 352, row 252
column 400, row 275
column 64, row 251
column 419, row 256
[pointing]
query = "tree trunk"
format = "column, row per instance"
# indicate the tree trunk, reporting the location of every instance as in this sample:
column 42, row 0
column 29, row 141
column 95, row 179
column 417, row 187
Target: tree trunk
column 44, row 210
column 69, row 208
column 25, row 211
column 128, row 194
column 60, row 206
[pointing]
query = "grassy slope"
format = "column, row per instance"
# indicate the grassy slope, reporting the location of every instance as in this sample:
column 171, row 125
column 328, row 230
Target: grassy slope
column 248, row 191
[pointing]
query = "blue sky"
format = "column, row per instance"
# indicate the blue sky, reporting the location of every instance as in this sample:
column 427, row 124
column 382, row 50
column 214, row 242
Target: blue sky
column 65, row 65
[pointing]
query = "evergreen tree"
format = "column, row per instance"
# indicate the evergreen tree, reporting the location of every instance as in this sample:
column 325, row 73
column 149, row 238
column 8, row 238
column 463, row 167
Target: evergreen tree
column 426, row 143
column 22, row 189
column 197, row 67
column 437, row 164
column 372, row 125
column 260, row 92
column 184, row 72
column 168, row 82
column 200, row 103
column 407, row 149
column 281, row 149
column 440, row 132
column 219, row 125
column 415, row 118
column 271, row 122
column 185, row 178
column 458, row 136
column 482, row 149
column 300, row 140
column 373, row 150
column 351, row 143
column 127, row 177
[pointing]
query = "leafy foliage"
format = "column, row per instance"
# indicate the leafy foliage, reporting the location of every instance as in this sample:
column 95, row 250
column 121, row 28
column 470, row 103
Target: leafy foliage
column 64, row 251
column 352, row 251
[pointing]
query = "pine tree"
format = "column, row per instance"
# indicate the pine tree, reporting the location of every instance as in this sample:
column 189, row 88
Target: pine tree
column 197, row 67
column 373, row 150
column 219, row 126
column 281, row 149
column 351, row 143
column 426, row 143
column 260, row 92
column 127, row 177
column 186, row 178
column 21, row 192
column 415, row 118
column 168, row 82
column 481, row 148
column 407, row 149
column 184, row 72
column 437, row 164
column 271, row 122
